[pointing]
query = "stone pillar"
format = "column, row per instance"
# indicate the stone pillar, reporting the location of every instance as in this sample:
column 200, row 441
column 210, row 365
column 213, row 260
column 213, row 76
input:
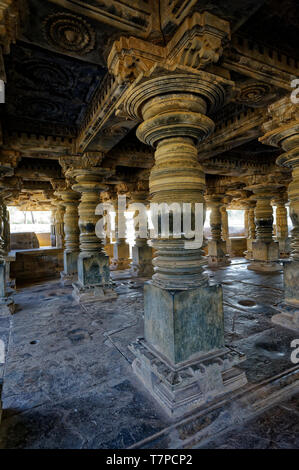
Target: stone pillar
column 246, row 222
column 94, row 281
column 70, row 200
column 108, row 246
column 53, row 234
column 224, row 224
column 282, row 230
column 59, row 222
column 121, row 249
column 216, row 246
column 182, row 359
column 7, row 305
column 283, row 131
column 251, row 231
column 265, row 251
column 141, row 252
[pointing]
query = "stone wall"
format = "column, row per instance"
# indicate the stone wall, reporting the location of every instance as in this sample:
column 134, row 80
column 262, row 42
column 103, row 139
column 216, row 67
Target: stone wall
column 37, row 264
column 23, row 241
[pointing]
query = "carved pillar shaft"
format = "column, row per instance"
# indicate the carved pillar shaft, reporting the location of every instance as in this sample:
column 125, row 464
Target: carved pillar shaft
column 265, row 251
column 281, row 221
column 71, row 229
column 251, row 231
column 141, row 252
column 93, row 263
column 59, row 224
column 216, row 246
column 224, row 223
column 263, row 215
column 176, row 161
column 121, row 249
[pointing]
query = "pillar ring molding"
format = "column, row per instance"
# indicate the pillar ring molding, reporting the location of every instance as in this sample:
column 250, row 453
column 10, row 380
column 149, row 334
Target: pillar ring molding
column 208, row 87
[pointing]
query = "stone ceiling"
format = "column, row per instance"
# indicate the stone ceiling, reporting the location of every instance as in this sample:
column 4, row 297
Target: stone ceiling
column 59, row 92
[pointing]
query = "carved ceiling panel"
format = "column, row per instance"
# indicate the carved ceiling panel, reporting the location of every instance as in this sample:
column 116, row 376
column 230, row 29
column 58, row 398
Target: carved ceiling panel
column 47, row 88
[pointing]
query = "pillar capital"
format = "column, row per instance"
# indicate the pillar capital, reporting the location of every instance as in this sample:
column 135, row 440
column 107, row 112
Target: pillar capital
column 196, row 43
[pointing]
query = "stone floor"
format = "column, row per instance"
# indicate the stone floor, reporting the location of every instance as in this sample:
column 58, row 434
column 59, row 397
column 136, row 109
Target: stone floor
column 67, row 381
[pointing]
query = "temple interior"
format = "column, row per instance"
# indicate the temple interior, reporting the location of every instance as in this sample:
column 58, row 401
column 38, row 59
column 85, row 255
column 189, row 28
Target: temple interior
column 149, row 224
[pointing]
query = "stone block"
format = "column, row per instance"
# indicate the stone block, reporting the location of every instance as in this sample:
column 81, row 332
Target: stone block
column 180, row 324
column 93, row 269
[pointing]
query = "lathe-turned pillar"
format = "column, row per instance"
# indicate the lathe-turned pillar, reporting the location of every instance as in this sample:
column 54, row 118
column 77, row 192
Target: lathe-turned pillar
column 216, row 246
column 70, row 200
column 93, row 264
column 251, row 230
column 141, row 251
column 283, row 131
column 224, row 223
column 108, row 245
column 282, row 230
column 182, row 359
column 121, row 249
column 59, row 222
column 265, row 250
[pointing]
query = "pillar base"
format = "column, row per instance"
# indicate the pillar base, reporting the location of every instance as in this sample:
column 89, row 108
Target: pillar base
column 289, row 316
column 215, row 261
column 7, row 306
column 90, row 294
column 120, row 264
column 284, row 248
column 217, row 253
column 265, row 256
column 181, row 388
column 142, row 261
column 67, row 279
column 265, row 266
column 121, row 256
column 183, row 361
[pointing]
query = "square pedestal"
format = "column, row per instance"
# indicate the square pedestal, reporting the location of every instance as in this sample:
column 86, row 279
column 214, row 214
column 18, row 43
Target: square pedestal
column 121, row 256
column 94, row 282
column 93, row 269
column 182, row 360
column 70, row 262
column 217, row 253
column 181, row 323
column 142, row 261
column 265, row 256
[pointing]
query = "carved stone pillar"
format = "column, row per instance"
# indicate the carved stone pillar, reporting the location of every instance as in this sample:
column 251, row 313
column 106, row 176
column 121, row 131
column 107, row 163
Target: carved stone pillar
column 121, row 249
column 283, row 131
column 216, row 246
column 93, row 264
column 58, row 213
column 70, row 200
column 141, row 252
column 53, row 234
column 246, row 222
column 265, row 251
column 182, row 359
column 108, row 246
column 282, row 230
column 251, row 230
column 224, row 223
